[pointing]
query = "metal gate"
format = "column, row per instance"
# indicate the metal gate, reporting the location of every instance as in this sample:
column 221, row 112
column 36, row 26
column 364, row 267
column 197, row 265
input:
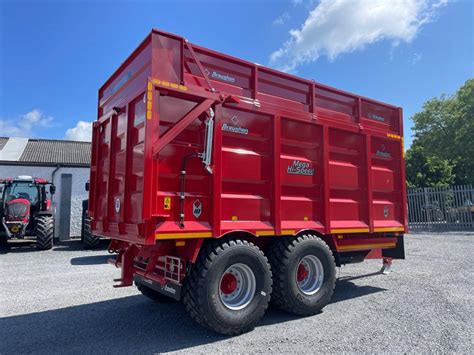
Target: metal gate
column 441, row 208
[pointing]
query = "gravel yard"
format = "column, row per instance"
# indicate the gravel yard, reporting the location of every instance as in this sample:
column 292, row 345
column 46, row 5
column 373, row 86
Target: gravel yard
column 63, row 301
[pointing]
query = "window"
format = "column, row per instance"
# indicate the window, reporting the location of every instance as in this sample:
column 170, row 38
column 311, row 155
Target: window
column 22, row 190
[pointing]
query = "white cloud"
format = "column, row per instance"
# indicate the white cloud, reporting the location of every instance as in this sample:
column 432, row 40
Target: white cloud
column 27, row 125
column 280, row 20
column 416, row 58
column 334, row 27
column 81, row 132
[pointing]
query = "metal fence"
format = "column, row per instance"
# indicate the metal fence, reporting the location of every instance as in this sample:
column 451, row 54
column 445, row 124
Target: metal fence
column 443, row 208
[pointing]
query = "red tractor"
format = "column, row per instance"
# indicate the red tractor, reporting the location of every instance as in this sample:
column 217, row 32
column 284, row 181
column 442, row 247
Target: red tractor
column 26, row 210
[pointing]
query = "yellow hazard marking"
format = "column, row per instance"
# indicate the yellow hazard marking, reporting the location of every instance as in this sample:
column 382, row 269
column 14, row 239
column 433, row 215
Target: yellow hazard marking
column 263, row 233
column 395, row 136
column 149, row 115
column 149, row 96
column 389, row 229
column 148, row 105
column 288, row 232
column 359, row 230
column 149, row 86
column 167, row 203
column 183, row 235
column 366, row 246
column 168, row 84
column 180, row 243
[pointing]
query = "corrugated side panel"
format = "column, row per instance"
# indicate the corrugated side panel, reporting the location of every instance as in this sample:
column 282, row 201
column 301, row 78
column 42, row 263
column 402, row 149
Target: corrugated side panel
column 247, row 170
column 386, row 183
column 117, row 179
column 301, row 164
column 197, row 209
column 347, row 180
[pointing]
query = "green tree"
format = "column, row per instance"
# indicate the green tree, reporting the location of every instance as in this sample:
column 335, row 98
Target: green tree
column 424, row 170
column 443, row 147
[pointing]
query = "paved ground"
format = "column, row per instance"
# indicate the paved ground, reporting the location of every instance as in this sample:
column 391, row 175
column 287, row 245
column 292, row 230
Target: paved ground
column 63, row 301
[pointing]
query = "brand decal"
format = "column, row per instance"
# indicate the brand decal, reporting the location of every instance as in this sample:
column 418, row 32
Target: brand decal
column 300, row 168
column 235, row 128
column 121, row 82
column 381, row 152
column 219, row 76
column 166, row 288
column 117, row 205
column 14, row 229
column 375, row 117
column 197, row 208
column 385, row 211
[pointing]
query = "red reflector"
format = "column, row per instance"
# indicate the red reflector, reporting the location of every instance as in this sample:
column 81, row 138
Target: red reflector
column 232, row 99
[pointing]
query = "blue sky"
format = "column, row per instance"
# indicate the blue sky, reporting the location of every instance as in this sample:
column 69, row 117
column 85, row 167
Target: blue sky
column 54, row 55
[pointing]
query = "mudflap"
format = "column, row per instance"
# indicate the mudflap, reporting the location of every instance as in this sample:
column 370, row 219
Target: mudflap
column 395, row 253
column 169, row 289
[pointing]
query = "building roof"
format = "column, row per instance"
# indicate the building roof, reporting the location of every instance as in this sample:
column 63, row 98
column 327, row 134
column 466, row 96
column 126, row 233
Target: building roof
column 3, row 141
column 44, row 152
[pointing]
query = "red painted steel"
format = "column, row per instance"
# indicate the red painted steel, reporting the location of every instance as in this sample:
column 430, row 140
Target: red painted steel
column 288, row 154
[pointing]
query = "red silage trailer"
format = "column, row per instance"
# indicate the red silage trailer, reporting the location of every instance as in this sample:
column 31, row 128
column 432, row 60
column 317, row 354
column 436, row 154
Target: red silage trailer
column 226, row 184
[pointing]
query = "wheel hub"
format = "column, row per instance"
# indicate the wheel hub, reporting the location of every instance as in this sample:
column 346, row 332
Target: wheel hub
column 228, row 283
column 303, row 272
column 237, row 286
column 309, row 274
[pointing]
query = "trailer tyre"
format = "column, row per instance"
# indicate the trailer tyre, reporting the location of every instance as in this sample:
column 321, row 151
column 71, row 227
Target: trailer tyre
column 89, row 240
column 153, row 295
column 304, row 274
column 229, row 287
column 44, row 232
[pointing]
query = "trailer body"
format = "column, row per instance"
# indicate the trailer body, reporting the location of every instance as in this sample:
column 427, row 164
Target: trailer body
column 285, row 156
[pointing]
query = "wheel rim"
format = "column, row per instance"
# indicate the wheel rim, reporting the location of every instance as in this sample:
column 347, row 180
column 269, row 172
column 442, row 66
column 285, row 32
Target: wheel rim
column 237, row 286
column 309, row 274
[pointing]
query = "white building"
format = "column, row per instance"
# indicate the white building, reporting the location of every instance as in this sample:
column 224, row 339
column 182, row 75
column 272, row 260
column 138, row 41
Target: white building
column 65, row 163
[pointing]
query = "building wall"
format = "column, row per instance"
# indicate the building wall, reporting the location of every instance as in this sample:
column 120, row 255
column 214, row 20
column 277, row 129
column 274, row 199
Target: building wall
column 78, row 193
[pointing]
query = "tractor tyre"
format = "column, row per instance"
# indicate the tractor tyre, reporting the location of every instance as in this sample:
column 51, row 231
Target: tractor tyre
column 153, row 295
column 3, row 241
column 304, row 274
column 229, row 288
column 89, row 240
column 44, row 232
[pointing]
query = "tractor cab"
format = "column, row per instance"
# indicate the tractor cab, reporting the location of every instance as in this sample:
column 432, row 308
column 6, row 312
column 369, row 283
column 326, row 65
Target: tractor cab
column 24, row 205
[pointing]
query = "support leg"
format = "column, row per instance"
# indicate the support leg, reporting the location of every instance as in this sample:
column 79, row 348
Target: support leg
column 386, row 266
column 126, row 264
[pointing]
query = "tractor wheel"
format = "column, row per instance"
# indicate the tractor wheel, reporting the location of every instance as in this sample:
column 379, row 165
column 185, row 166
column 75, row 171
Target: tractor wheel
column 44, row 232
column 89, row 240
column 304, row 274
column 229, row 287
column 153, row 295
column 3, row 241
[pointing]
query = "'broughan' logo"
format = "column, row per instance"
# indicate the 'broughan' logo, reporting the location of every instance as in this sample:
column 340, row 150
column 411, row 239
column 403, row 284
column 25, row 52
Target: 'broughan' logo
column 382, row 152
column 235, row 129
